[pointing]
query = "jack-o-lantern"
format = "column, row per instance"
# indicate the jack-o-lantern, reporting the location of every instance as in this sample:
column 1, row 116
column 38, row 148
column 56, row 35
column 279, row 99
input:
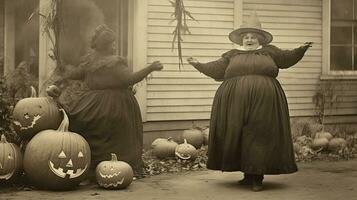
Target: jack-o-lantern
column 10, row 160
column 193, row 137
column 186, row 151
column 114, row 174
column 32, row 115
column 57, row 159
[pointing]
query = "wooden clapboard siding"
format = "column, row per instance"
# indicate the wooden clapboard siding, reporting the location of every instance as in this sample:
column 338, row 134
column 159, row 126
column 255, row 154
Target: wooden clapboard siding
column 185, row 94
column 188, row 94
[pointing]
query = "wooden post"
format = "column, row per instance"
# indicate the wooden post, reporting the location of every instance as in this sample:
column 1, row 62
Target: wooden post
column 9, row 36
column 46, row 64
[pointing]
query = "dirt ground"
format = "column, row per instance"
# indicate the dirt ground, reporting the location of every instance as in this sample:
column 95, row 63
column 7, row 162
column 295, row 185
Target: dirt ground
column 314, row 181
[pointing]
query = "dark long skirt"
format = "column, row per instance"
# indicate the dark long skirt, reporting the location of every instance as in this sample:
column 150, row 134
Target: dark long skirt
column 110, row 121
column 250, row 127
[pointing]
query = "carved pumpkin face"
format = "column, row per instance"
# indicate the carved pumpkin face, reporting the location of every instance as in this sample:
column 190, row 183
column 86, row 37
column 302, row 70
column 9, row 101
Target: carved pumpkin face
column 10, row 160
column 114, row 174
column 186, row 151
column 32, row 115
column 57, row 159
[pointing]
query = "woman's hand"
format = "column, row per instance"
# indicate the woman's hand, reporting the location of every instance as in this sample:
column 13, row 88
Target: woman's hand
column 156, row 66
column 309, row 44
column 53, row 91
column 192, row 61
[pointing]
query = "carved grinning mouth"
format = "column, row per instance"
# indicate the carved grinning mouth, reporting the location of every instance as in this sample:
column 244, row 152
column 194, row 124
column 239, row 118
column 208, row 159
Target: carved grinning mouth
column 109, row 176
column 183, row 156
column 35, row 119
column 7, row 176
column 60, row 171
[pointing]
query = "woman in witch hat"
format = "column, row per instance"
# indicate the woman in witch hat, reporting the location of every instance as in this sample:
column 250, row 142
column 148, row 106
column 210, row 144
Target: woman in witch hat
column 250, row 125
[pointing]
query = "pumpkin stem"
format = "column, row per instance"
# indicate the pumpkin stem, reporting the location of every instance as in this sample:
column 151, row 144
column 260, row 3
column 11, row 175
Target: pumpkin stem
column 3, row 138
column 33, row 92
column 185, row 141
column 114, row 157
column 63, row 127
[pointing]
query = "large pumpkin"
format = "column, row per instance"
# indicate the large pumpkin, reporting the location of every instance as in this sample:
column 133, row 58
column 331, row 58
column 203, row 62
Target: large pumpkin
column 32, row 115
column 57, row 159
column 186, row 151
column 114, row 174
column 323, row 134
column 10, row 160
column 164, row 148
column 319, row 143
column 194, row 137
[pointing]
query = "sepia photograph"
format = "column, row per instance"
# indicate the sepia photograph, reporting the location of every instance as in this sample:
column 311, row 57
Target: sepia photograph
column 178, row 99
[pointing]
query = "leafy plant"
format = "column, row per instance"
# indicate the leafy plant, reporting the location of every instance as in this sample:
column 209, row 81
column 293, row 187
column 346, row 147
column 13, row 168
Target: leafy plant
column 180, row 14
column 324, row 98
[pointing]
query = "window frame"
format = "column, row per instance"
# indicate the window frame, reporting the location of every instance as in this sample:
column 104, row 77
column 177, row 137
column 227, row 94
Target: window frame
column 326, row 43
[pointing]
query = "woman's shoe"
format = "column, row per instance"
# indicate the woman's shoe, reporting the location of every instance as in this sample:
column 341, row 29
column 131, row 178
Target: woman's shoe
column 257, row 183
column 247, row 180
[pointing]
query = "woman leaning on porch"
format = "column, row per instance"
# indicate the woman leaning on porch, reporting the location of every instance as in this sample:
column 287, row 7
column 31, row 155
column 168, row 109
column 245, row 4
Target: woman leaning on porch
column 250, row 126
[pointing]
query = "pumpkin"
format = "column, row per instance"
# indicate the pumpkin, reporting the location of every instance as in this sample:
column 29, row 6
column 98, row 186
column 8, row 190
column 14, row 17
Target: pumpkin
column 323, row 134
column 186, row 151
column 165, row 148
column 336, row 144
column 205, row 133
column 32, row 115
column 157, row 141
column 57, row 159
column 10, row 160
column 319, row 143
column 114, row 174
column 194, row 137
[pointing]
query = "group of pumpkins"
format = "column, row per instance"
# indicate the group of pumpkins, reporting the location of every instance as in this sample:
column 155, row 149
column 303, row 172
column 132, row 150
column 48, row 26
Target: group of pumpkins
column 325, row 141
column 193, row 140
column 54, row 158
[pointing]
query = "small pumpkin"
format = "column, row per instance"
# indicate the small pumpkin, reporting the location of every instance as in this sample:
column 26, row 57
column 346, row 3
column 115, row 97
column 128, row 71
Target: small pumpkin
column 336, row 144
column 57, row 159
column 32, row 115
column 157, row 141
column 186, row 151
column 165, row 148
column 319, row 143
column 194, row 137
column 205, row 133
column 323, row 134
column 114, row 174
column 10, row 160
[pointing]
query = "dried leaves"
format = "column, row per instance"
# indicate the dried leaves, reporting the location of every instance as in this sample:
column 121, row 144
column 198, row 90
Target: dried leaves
column 180, row 14
column 155, row 166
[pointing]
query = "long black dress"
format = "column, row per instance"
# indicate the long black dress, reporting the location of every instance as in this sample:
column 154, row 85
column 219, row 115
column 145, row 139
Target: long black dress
column 107, row 114
column 250, row 126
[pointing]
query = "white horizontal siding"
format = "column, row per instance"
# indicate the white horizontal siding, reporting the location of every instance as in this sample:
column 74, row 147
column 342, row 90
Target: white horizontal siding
column 188, row 94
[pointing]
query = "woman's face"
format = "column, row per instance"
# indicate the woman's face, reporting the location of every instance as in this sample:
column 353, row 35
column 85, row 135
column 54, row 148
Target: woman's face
column 250, row 41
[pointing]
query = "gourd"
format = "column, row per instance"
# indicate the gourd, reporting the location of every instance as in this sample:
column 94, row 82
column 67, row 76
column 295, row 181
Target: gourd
column 57, row 159
column 114, row 174
column 336, row 144
column 319, row 143
column 186, row 151
column 10, row 160
column 34, row 114
column 323, row 134
column 165, row 148
column 205, row 133
column 193, row 137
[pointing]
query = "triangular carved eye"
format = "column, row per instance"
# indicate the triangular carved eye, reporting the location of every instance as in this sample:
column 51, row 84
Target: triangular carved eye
column 62, row 155
column 10, row 157
column 80, row 155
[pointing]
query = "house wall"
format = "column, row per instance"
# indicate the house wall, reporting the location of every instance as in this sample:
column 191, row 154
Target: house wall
column 187, row 94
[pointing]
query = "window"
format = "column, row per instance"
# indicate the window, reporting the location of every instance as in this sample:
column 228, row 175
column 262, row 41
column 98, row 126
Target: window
column 343, row 36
